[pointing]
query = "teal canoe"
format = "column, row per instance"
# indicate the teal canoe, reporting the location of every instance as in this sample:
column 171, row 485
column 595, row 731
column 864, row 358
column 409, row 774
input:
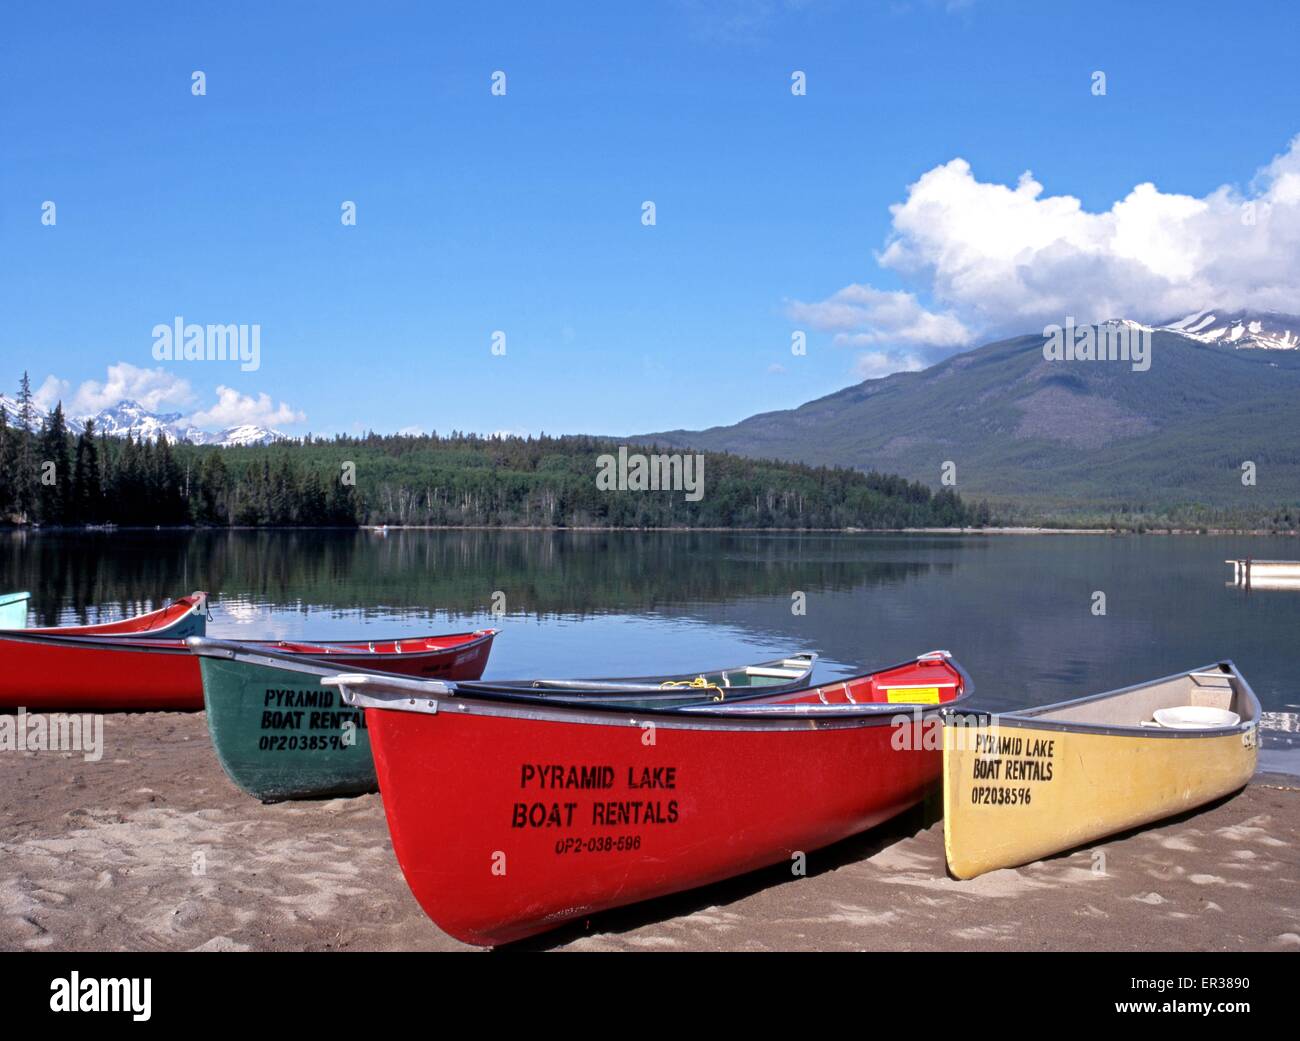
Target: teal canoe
column 279, row 733
column 13, row 610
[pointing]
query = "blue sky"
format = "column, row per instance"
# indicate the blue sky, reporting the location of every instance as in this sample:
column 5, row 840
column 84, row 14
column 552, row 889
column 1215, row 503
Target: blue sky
column 523, row 213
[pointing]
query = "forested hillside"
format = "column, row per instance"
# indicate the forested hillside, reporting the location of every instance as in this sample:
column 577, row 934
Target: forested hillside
column 49, row 477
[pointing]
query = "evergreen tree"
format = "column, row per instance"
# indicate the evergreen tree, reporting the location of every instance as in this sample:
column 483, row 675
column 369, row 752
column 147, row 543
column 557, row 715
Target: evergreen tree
column 127, row 485
column 168, row 489
column 24, row 468
column 312, row 508
column 341, row 508
column 285, row 493
column 107, row 505
column 8, row 468
column 213, row 497
column 54, row 490
column 87, row 482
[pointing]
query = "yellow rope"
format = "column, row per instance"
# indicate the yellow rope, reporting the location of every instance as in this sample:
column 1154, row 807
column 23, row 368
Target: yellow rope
column 699, row 683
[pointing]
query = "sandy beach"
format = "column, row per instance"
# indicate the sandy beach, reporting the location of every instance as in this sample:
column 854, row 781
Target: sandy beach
column 152, row 848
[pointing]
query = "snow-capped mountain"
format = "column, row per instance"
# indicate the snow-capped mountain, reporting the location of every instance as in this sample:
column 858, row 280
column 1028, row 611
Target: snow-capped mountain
column 244, row 434
column 10, row 409
column 130, row 417
column 1125, row 323
column 1263, row 330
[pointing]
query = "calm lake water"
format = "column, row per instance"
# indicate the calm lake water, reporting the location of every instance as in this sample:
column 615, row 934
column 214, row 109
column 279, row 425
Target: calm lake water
column 1017, row 611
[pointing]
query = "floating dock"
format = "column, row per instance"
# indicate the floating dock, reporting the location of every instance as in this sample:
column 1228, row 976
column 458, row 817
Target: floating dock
column 1281, row 574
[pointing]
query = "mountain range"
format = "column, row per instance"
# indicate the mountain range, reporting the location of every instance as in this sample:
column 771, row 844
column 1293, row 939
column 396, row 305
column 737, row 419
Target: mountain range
column 1223, row 389
column 1067, row 437
column 130, row 417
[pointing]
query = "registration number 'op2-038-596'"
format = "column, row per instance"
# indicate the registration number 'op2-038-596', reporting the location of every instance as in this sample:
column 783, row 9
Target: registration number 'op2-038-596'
column 649, row 803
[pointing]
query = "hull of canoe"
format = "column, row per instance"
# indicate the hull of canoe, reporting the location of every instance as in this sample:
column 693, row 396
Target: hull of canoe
column 66, row 675
column 187, row 616
column 280, row 735
column 13, row 610
column 45, row 673
column 506, row 826
column 1017, row 793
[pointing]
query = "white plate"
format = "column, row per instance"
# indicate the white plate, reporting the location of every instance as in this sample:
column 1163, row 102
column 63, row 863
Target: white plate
column 1196, row 717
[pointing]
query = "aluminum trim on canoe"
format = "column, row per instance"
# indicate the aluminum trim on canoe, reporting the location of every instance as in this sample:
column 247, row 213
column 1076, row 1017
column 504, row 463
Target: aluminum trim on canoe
column 1030, row 719
column 132, row 644
column 200, row 645
column 594, row 716
column 423, row 696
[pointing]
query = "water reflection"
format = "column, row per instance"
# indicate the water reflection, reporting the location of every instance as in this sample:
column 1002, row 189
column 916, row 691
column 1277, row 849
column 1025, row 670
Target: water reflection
column 1018, row 611
column 74, row 576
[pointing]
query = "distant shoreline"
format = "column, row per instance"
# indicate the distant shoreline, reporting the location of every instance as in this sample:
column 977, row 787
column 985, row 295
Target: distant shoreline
column 381, row 528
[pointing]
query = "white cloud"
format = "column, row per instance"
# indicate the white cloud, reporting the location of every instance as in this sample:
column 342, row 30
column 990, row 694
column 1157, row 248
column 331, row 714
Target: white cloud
column 861, row 314
column 159, row 390
column 994, row 259
column 156, row 389
column 50, row 393
column 871, row 365
column 235, row 409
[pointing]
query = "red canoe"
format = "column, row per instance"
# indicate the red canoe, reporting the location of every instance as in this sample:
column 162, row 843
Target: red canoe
column 511, row 817
column 187, row 616
column 43, row 672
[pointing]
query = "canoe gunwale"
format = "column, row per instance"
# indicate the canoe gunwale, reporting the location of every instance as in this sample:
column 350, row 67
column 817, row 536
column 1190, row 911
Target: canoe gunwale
column 175, row 645
column 207, row 647
column 133, row 645
column 1032, row 718
column 429, row 697
column 479, row 637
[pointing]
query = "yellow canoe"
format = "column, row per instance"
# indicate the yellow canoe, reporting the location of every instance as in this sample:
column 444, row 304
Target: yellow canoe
column 1024, row 785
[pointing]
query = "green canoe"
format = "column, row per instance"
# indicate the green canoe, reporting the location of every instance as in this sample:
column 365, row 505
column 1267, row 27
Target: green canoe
column 280, row 734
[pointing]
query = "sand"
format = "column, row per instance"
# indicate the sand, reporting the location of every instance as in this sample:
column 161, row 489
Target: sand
column 153, row 849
